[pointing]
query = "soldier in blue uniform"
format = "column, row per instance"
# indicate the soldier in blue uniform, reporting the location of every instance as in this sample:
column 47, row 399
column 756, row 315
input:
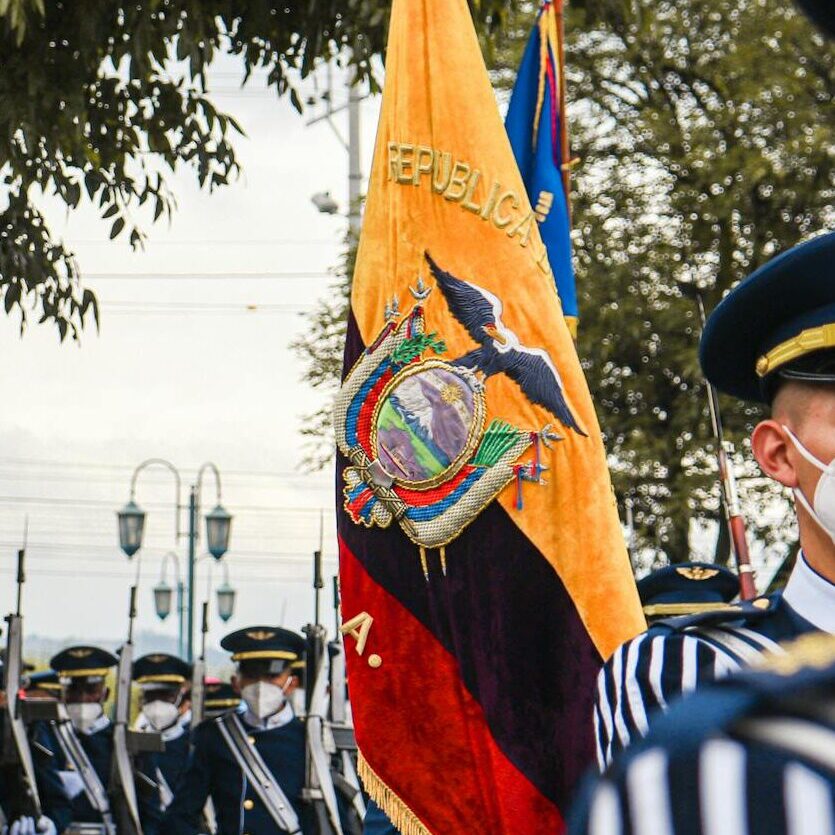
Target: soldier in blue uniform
column 82, row 671
column 42, row 684
column 752, row 754
column 162, row 679
column 13, row 810
column 250, row 761
column 771, row 340
column 219, row 697
column 687, row 588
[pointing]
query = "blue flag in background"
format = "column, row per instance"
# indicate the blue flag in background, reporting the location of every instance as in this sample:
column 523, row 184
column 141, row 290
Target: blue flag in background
column 535, row 126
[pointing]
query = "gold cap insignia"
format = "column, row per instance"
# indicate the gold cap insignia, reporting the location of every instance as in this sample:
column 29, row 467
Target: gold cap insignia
column 80, row 653
column 696, row 572
column 261, row 634
column 157, row 659
column 212, row 688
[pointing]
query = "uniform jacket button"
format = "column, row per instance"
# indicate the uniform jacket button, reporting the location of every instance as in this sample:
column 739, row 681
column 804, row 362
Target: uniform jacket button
column 249, row 804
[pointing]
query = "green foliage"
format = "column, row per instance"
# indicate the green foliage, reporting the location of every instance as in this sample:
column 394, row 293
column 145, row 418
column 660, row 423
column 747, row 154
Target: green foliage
column 705, row 132
column 321, row 347
column 102, row 101
column 415, row 345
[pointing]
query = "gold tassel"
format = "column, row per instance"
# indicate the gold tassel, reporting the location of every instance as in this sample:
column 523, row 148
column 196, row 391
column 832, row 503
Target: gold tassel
column 405, row 821
column 423, row 563
column 443, row 559
column 540, row 92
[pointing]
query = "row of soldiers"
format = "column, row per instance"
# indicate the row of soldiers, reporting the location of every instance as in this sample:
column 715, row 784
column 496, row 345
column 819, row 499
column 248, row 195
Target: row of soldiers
column 203, row 756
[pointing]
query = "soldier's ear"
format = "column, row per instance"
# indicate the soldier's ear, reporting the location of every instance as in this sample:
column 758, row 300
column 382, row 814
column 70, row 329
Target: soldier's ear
column 775, row 453
column 236, row 684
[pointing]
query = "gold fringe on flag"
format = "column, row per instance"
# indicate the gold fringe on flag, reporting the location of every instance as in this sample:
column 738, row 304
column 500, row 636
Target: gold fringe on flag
column 405, row 821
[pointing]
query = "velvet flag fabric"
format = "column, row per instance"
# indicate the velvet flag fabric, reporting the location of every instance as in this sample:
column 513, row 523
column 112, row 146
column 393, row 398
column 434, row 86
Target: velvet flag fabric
column 483, row 571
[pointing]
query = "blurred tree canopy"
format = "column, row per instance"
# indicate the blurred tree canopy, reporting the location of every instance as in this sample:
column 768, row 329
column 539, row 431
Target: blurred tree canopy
column 704, row 129
column 103, row 101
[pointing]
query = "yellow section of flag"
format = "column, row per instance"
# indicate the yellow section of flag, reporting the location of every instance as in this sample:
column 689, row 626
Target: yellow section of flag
column 444, row 183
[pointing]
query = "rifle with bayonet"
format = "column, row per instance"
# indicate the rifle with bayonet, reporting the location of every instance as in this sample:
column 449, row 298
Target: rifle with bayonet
column 18, row 763
column 198, row 674
column 727, row 478
column 319, row 790
column 123, row 781
column 730, row 496
column 342, row 729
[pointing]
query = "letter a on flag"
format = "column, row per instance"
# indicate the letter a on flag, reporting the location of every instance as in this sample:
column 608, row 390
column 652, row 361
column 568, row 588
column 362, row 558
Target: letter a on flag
column 483, row 571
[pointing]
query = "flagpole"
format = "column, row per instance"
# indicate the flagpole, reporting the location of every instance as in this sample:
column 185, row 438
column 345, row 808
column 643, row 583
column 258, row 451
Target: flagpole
column 564, row 146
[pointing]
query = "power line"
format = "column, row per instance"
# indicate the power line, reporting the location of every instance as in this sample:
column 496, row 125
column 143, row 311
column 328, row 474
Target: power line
column 206, row 276
column 152, row 242
column 151, row 475
column 129, row 575
column 54, row 500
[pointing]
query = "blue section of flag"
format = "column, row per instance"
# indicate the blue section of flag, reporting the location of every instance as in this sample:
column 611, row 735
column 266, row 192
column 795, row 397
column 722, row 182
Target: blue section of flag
column 540, row 166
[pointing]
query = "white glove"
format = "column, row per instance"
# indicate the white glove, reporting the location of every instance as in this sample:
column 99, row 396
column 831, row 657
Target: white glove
column 45, row 826
column 26, row 825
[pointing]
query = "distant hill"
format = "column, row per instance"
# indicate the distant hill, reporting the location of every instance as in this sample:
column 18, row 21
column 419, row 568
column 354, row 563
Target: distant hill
column 38, row 649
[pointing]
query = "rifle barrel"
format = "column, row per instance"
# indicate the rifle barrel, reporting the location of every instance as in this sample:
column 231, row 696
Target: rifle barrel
column 727, row 482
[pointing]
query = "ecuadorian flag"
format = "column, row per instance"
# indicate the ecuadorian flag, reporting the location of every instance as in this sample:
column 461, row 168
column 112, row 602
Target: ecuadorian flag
column 483, row 570
column 536, row 125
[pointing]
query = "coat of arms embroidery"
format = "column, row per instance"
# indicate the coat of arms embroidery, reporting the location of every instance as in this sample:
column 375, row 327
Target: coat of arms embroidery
column 412, row 423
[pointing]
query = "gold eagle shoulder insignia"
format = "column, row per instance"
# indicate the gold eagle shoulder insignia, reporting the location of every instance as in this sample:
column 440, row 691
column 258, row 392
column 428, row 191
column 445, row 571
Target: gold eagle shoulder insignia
column 815, row 651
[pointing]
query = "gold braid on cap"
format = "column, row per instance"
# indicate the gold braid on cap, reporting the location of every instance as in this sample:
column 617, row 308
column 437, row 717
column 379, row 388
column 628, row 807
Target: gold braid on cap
column 264, row 653
column 806, row 342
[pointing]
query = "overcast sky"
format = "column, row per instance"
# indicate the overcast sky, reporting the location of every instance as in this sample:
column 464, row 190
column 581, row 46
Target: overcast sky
column 182, row 370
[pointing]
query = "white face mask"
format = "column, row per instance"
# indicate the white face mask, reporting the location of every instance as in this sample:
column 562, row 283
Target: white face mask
column 822, row 509
column 160, row 714
column 84, row 715
column 263, row 698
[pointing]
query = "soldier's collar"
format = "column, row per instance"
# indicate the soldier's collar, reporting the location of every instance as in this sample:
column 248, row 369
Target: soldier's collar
column 277, row 720
column 172, row 733
column 100, row 724
column 811, row 596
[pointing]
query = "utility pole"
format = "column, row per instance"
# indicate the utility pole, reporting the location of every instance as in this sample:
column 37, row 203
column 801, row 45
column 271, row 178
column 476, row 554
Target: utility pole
column 354, row 173
column 352, row 145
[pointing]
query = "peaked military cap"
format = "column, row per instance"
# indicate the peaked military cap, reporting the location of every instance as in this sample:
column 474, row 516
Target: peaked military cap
column 265, row 643
column 779, row 323
column 43, row 680
column 685, row 588
column 161, row 669
column 83, row 662
column 220, row 695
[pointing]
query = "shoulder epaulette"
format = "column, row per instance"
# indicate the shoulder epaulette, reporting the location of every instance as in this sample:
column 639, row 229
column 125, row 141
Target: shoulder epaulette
column 745, row 611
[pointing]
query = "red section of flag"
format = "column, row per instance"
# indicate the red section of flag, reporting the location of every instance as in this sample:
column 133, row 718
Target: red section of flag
column 451, row 786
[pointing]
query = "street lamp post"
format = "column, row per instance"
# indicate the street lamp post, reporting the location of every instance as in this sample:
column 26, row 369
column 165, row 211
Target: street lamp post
column 218, row 527
column 225, row 592
column 163, row 594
